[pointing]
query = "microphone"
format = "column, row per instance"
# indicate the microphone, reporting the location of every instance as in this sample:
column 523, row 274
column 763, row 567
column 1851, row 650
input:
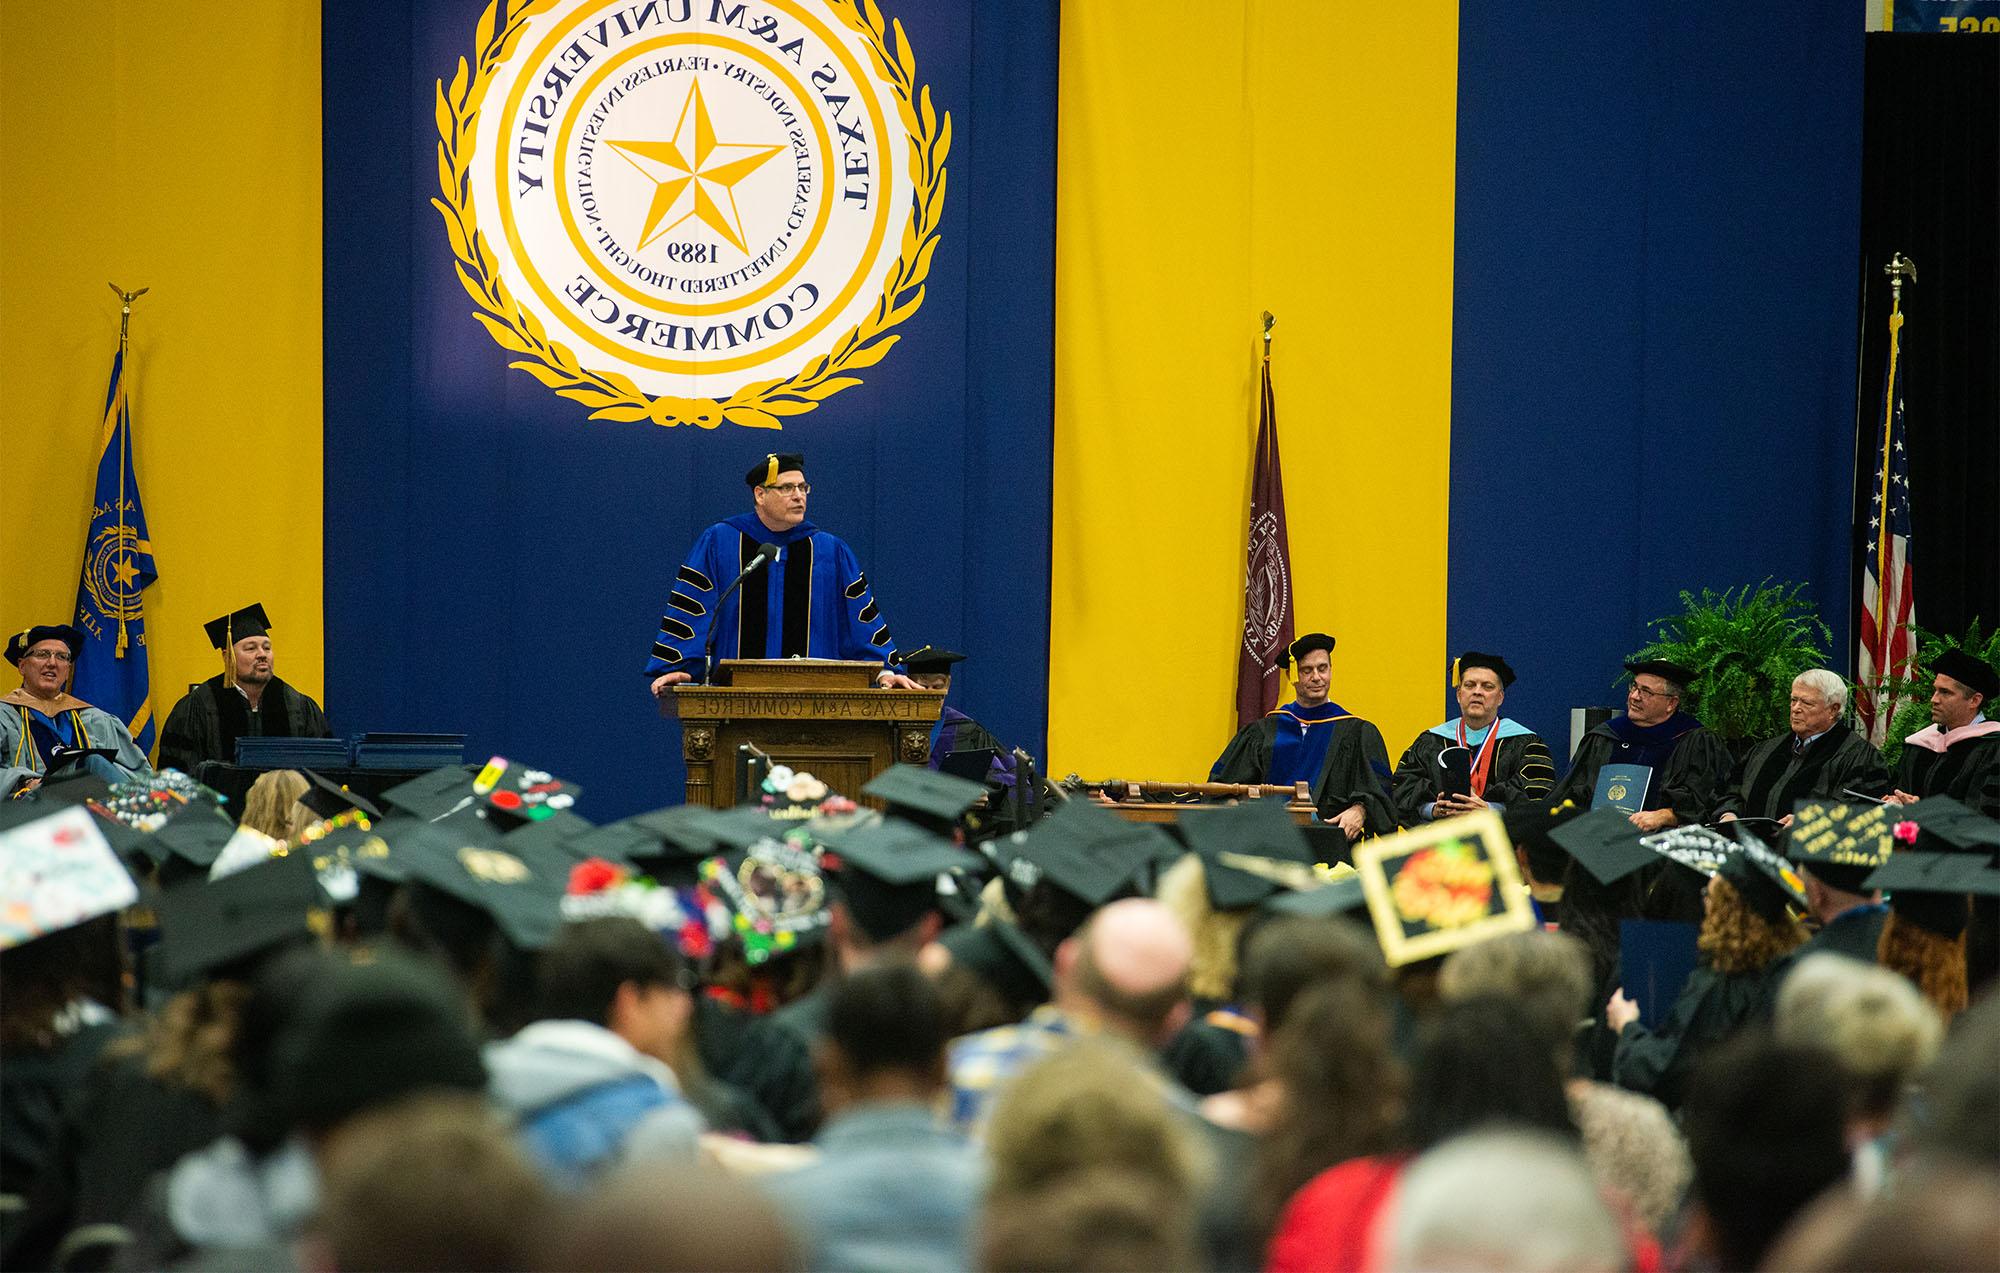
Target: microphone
column 765, row 552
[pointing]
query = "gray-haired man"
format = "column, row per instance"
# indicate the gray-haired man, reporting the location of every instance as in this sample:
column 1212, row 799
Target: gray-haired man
column 1818, row 758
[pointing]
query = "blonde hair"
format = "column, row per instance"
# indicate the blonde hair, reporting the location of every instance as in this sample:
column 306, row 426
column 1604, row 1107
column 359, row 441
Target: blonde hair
column 1183, row 889
column 1874, row 1021
column 1094, row 1103
column 271, row 805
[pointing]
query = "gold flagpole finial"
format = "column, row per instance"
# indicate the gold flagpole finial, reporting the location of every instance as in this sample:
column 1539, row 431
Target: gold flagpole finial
column 1899, row 269
column 1270, row 321
column 124, row 443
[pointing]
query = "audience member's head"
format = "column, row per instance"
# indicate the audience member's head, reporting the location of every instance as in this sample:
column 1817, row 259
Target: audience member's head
column 369, row 1034
column 1961, row 1090
column 1127, row 968
column 434, row 1182
column 1944, row 1217
column 680, row 1219
column 1503, row 1199
column 1102, row 1218
column 1183, row 889
column 1484, row 1062
column 1765, row 1130
column 271, row 805
column 1546, row 975
column 1287, row 957
column 498, row 977
column 1341, row 1088
column 884, row 1039
column 48, row 979
column 1093, row 1103
column 615, row 972
column 1874, row 1022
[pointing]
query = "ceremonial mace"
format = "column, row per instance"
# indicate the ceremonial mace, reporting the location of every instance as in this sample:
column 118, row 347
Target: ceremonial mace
column 124, row 439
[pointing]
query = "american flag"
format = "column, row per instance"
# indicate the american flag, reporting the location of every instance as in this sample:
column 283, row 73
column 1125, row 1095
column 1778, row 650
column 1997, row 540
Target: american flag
column 1888, row 591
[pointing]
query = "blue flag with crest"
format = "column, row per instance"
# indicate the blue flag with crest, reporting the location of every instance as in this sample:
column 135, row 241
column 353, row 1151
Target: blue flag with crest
column 111, row 672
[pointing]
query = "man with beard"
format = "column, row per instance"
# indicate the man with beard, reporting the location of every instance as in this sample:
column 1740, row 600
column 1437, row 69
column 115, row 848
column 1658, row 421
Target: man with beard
column 1819, row 758
column 1506, row 760
column 245, row 700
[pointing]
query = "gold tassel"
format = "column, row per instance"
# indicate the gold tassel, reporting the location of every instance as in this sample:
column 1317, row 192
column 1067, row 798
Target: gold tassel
column 228, row 655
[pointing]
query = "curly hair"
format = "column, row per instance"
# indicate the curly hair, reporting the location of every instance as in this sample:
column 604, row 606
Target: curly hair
column 191, row 1040
column 1935, row 963
column 1736, row 938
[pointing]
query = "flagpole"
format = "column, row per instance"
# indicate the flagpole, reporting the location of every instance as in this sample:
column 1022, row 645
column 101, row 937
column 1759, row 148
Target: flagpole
column 1270, row 321
column 1898, row 268
column 124, row 437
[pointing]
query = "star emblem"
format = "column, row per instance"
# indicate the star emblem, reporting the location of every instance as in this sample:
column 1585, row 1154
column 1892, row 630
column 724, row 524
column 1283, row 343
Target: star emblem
column 694, row 175
column 125, row 571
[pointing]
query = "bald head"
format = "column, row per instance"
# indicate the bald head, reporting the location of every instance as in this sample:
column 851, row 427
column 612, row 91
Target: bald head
column 1129, row 966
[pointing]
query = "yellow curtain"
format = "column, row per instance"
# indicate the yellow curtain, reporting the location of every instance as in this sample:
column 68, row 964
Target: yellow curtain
column 1215, row 161
column 175, row 147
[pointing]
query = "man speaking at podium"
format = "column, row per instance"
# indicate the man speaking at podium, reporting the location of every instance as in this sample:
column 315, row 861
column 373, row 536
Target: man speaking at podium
column 802, row 593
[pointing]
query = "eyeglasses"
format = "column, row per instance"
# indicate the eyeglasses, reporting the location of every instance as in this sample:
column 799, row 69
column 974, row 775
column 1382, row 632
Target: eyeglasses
column 791, row 488
column 1646, row 693
column 51, row 656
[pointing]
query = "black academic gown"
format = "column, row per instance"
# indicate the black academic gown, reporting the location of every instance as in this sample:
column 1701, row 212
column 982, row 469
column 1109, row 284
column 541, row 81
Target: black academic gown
column 209, row 719
column 1712, row 1007
column 1356, row 769
column 774, row 1065
column 1968, row 771
column 1695, row 771
column 1771, row 779
column 1522, row 770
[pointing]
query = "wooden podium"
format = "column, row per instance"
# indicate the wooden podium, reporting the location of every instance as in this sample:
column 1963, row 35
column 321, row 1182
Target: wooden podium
column 824, row 716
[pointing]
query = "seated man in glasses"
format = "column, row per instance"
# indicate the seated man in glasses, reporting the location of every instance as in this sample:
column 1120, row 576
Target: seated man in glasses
column 808, row 599
column 1686, row 765
column 42, row 721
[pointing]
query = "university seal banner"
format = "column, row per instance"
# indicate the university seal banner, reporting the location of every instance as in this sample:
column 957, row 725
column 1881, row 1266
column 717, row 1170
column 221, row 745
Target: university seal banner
column 691, row 211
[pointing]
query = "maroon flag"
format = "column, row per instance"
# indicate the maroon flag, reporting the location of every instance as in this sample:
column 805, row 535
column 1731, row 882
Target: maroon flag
column 1267, row 575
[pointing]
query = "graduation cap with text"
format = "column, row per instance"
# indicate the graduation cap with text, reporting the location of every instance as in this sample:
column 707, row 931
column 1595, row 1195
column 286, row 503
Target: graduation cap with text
column 887, row 873
column 1842, row 844
column 58, row 871
column 1088, row 852
column 932, row 800
column 220, row 926
column 1248, row 851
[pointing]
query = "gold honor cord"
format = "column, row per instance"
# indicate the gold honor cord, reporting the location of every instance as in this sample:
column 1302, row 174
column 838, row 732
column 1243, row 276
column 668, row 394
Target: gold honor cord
column 123, row 436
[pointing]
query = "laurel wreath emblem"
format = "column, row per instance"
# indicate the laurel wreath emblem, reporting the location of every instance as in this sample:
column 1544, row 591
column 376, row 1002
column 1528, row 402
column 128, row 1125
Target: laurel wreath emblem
column 611, row 396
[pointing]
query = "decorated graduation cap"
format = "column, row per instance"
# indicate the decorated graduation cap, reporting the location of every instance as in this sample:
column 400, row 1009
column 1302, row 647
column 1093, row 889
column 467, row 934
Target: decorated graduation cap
column 1002, row 955
column 932, row 800
column 1944, row 852
column 329, row 799
column 1088, row 852
column 435, row 795
column 1248, row 851
column 1473, row 658
column 1842, row 844
column 524, row 900
column 27, row 639
column 1306, row 645
column 929, row 659
column 505, row 793
column 1702, row 850
column 1666, row 669
column 775, row 895
column 1766, row 881
column 1975, row 674
column 886, row 873
column 58, row 871
column 212, row 927
column 765, row 471
column 1441, row 887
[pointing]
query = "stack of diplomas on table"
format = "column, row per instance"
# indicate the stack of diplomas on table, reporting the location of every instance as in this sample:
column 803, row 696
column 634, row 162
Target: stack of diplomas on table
column 269, row 752
column 381, row 750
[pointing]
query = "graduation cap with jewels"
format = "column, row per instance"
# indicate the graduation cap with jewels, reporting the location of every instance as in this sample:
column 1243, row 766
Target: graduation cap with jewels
column 58, row 871
column 1438, row 888
column 775, row 893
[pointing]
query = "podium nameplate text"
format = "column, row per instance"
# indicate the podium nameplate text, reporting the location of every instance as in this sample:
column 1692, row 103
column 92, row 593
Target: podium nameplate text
column 824, row 716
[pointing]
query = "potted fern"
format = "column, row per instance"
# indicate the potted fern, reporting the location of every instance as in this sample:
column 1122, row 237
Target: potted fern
column 1912, row 689
column 1745, row 646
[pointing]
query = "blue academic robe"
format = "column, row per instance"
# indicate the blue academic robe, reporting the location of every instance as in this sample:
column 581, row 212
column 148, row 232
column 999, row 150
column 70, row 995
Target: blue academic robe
column 813, row 601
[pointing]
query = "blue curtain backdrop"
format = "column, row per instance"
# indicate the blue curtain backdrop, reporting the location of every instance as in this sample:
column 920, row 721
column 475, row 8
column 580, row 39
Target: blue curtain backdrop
column 1654, row 325
column 495, row 564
